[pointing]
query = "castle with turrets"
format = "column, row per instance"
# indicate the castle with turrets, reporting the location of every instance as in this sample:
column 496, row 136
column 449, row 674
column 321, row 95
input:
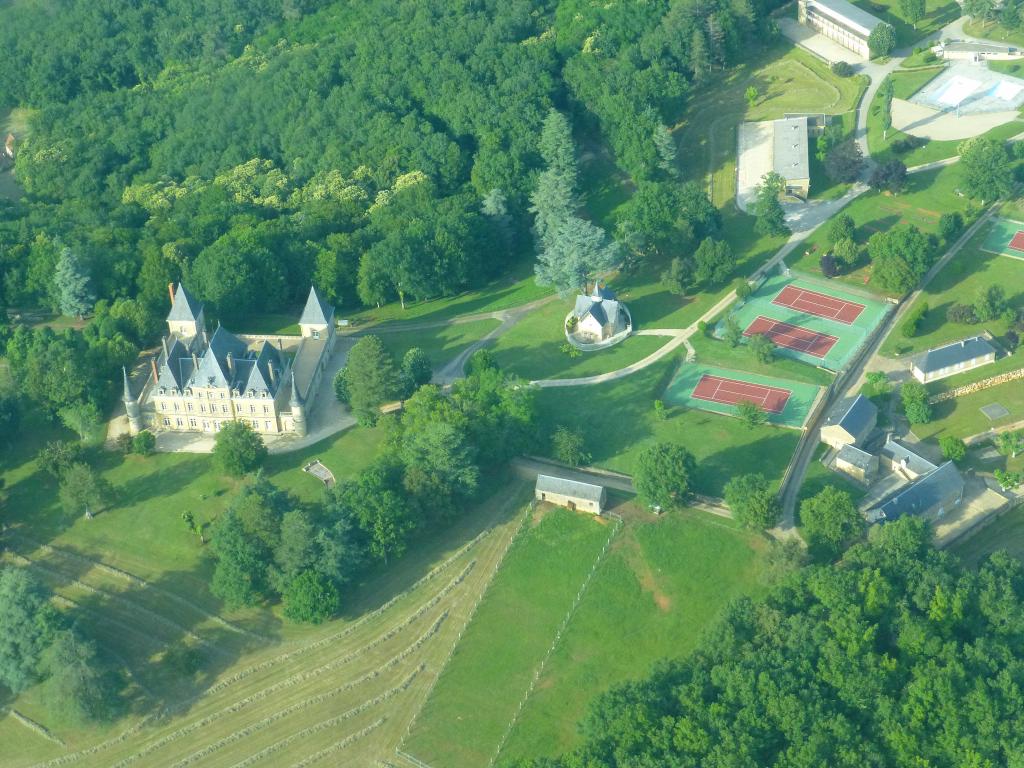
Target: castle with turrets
column 198, row 380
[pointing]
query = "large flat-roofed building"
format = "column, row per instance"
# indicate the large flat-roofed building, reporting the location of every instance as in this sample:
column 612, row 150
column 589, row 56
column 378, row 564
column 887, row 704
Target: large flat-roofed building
column 840, row 21
column 953, row 358
column 790, row 155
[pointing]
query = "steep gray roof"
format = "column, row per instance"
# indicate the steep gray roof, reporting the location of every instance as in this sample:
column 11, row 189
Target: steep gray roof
column 855, row 457
column 175, row 367
column 213, row 367
column 856, row 415
column 573, row 488
column 296, row 397
column 186, row 307
column 916, row 463
column 603, row 310
column 317, row 311
column 940, row 486
column 849, row 12
column 789, row 146
column 259, row 378
column 956, row 352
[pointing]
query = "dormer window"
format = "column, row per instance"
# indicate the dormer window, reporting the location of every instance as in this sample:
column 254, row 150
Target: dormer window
column 316, row 334
column 163, row 390
column 188, row 391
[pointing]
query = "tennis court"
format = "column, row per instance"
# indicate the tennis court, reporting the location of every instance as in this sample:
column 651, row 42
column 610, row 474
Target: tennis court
column 792, row 336
column 733, row 392
column 811, row 320
column 820, row 304
column 1005, row 237
column 720, row 390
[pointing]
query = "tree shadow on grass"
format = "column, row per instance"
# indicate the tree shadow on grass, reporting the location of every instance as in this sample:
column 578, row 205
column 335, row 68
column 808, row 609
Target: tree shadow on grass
column 767, row 455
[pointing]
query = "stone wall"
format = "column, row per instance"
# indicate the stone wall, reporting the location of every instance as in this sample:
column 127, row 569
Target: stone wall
column 978, row 386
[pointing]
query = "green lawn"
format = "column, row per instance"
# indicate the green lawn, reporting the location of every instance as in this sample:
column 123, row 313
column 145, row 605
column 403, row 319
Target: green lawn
column 787, row 79
column 959, row 283
column 938, row 13
column 532, row 348
column 906, row 84
column 818, row 476
column 927, row 196
column 441, row 344
column 618, row 421
column 273, row 323
column 663, row 582
column 477, row 694
column 962, row 416
column 514, row 289
column 997, row 32
column 923, row 58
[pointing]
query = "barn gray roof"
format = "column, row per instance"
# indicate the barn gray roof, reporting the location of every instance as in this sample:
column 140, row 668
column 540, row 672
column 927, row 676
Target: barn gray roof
column 855, row 457
column 955, row 352
column 856, row 415
column 940, row 486
column 573, row 488
column 900, row 453
column 789, row 147
column 317, row 311
column 605, row 311
column 185, row 307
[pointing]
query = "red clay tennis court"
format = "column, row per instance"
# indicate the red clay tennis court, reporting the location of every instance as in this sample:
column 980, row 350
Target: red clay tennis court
column 792, row 336
column 823, row 305
column 730, row 391
column 1017, row 243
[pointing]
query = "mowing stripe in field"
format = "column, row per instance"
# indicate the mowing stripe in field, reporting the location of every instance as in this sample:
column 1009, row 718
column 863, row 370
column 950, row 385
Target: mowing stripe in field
column 799, row 302
column 1005, row 237
column 690, row 389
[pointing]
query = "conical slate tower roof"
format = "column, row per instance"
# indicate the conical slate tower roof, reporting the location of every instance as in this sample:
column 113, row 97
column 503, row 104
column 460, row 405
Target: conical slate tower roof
column 317, row 311
column 186, row 307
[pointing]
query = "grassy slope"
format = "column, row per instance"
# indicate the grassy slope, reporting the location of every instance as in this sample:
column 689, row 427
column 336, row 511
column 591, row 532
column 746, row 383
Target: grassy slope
column 906, row 84
column 962, row 416
column 477, row 694
column 440, row 344
column 996, row 32
column 926, row 197
column 662, row 583
column 938, row 13
column 619, row 422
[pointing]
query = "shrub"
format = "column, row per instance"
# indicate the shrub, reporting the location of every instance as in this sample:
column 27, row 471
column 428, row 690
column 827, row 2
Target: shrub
column 950, row 226
column 829, row 267
column 1011, row 340
column 144, row 443
column 310, row 598
column 953, row 448
column 912, row 324
column 961, row 313
column 842, row 69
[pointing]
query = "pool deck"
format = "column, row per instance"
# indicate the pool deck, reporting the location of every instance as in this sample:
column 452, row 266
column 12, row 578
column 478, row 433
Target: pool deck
column 927, row 123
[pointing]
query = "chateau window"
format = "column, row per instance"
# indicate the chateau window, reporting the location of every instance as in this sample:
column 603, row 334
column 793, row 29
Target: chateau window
column 189, row 405
column 266, row 425
column 188, row 391
column 180, row 422
column 316, row 334
column 224, row 409
column 202, row 407
column 221, row 395
column 252, row 409
column 192, row 422
column 167, row 422
column 266, row 409
column 163, row 390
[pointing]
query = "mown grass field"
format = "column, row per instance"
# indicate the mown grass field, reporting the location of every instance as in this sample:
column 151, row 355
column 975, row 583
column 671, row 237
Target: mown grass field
column 468, row 712
column 938, row 13
column 660, row 584
column 990, row 30
column 441, row 344
column 619, row 421
column 906, row 84
column 962, row 416
column 787, row 80
column 342, row 693
column 713, row 351
column 927, row 196
column 971, row 271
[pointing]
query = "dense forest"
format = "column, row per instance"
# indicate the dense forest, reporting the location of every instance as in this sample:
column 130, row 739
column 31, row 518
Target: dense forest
column 894, row 657
column 253, row 146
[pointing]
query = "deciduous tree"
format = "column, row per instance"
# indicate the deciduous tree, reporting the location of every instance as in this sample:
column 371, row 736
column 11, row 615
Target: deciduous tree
column 665, row 475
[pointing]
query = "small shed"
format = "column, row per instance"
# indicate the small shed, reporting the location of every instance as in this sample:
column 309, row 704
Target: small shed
column 575, row 495
column 850, row 422
column 950, row 359
column 856, row 463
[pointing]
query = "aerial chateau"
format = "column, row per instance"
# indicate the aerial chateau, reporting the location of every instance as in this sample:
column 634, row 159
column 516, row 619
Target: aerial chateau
column 198, row 381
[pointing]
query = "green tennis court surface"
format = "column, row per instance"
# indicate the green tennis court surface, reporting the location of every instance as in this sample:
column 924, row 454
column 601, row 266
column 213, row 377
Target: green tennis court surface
column 708, row 380
column 1002, row 238
column 818, row 310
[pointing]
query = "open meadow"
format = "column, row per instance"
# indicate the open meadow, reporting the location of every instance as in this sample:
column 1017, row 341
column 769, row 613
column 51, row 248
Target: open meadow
column 660, row 583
